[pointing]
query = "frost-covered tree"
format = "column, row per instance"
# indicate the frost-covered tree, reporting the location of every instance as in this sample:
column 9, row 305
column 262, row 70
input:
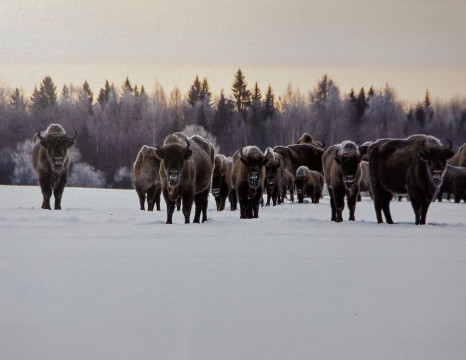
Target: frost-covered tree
column 240, row 92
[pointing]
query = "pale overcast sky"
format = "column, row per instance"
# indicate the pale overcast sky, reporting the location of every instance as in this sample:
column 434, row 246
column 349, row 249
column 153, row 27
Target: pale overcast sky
column 413, row 45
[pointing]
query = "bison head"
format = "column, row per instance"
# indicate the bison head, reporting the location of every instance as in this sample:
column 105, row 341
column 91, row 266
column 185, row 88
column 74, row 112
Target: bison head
column 348, row 157
column 217, row 178
column 435, row 158
column 174, row 157
column 57, row 145
column 254, row 163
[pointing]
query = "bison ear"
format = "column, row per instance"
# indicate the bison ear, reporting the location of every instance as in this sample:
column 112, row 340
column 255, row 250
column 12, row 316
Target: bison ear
column 363, row 149
column 44, row 143
column 71, row 142
column 187, row 153
column 337, row 159
column 159, row 152
column 243, row 160
column 265, row 161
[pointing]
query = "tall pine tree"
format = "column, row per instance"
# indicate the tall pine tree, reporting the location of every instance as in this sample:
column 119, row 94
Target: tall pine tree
column 241, row 93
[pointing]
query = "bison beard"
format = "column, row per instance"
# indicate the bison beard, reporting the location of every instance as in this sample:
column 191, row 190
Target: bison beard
column 186, row 172
column 51, row 162
column 414, row 165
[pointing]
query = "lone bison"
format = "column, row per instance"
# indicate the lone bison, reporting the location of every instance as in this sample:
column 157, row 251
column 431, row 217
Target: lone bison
column 309, row 183
column 414, row 165
column 221, row 182
column 342, row 172
column 186, row 173
column 51, row 162
column 247, row 178
column 146, row 178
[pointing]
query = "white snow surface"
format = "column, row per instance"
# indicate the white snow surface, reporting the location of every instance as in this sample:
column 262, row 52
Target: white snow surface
column 103, row 280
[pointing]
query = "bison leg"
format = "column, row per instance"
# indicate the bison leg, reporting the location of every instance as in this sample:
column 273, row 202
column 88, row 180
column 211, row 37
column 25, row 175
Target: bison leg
column 157, row 197
column 187, row 206
column 233, row 200
column 151, row 198
column 58, row 190
column 178, row 204
column 142, row 197
column 332, row 206
column 201, row 202
column 170, row 206
column 351, row 201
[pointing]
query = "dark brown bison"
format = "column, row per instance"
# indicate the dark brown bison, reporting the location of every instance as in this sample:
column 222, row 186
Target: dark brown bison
column 146, row 178
column 51, row 162
column 247, row 178
column 221, row 182
column 186, row 173
column 295, row 156
column 306, row 138
column 454, row 182
column 287, row 186
column 342, row 172
column 414, row 165
column 459, row 159
column 309, row 183
column 273, row 176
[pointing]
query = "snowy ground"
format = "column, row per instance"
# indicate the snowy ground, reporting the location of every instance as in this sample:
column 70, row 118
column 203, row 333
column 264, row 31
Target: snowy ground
column 103, row 280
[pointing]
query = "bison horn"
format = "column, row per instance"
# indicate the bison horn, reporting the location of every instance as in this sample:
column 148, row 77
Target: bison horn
column 75, row 134
column 187, row 144
column 41, row 138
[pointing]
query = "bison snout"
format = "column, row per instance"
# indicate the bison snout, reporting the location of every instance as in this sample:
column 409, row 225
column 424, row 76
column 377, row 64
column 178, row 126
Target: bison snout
column 215, row 191
column 58, row 161
column 349, row 181
column 300, row 191
column 271, row 181
column 437, row 177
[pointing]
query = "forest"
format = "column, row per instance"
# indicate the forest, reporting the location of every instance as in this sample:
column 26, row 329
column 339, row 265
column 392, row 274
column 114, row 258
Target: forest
column 115, row 122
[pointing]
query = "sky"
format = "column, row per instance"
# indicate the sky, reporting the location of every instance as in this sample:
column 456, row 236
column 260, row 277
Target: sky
column 413, row 45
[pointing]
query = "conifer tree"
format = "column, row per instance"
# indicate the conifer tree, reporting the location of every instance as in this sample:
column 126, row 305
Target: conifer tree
column 127, row 86
column 269, row 103
column 48, row 93
column 104, row 93
column 89, row 95
column 195, row 92
column 241, row 93
column 205, row 93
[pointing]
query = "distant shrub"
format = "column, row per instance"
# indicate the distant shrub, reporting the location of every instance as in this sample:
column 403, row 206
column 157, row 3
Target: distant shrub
column 84, row 175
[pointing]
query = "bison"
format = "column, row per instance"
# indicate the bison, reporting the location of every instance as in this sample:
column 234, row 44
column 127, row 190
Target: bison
column 146, row 178
column 454, row 182
column 306, row 138
column 186, row 173
column 273, row 176
column 309, row 183
column 342, row 172
column 302, row 154
column 221, row 182
column 414, row 165
column 51, row 161
column 247, row 178
column 459, row 159
column 287, row 185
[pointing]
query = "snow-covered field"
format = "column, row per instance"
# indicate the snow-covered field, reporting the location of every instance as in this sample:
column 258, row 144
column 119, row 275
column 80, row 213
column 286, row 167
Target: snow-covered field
column 103, row 280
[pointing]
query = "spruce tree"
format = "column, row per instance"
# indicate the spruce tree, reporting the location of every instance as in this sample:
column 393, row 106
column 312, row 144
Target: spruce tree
column 205, row 93
column 240, row 92
column 195, row 92
column 269, row 103
column 89, row 95
column 47, row 93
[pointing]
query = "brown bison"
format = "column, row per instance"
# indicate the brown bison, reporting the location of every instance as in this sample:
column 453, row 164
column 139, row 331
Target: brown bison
column 186, row 173
column 459, row 159
column 287, row 186
column 309, row 183
column 414, row 165
column 454, row 182
column 295, row 156
column 51, row 162
column 306, row 138
column 273, row 176
column 342, row 172
column 221, row 182
column 247, row 178
column 146, row 178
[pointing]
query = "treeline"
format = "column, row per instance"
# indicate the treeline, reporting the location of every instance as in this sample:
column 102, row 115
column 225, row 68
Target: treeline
column 116, row 121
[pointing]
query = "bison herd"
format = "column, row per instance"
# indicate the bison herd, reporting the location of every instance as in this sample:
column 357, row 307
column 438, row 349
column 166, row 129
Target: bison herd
column 185, row 170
